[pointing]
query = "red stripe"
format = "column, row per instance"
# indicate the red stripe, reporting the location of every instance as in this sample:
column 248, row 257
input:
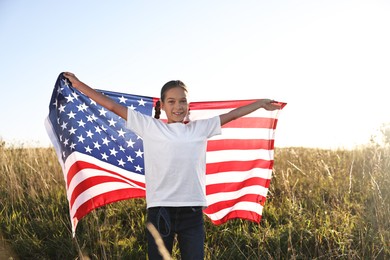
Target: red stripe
column 90, row 182
column 256, row 198
column 219, row 104
column 239, row 144
column 235, row 186
column 238, row 166
column 252, row 122
column 81, row 165
column 226, row 104
column 106, row 198
column 155, row 101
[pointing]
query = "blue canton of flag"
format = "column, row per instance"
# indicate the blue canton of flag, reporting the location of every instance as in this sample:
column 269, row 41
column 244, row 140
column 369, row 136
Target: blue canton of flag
column 82, row 125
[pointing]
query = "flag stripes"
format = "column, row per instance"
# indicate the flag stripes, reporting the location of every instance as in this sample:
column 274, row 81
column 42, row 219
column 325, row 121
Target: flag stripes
column 239, row 162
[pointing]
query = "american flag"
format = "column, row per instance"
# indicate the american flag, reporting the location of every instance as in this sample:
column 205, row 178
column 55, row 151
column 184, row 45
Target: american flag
column 102, row 161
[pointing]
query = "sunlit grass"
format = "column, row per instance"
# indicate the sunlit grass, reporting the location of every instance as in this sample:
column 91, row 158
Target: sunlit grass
column 322, row 204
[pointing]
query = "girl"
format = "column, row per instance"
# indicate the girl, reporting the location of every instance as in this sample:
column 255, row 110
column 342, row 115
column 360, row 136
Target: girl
column 175, row 163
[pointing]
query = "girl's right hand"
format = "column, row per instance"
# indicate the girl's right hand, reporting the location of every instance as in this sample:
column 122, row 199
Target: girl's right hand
column 72, row 78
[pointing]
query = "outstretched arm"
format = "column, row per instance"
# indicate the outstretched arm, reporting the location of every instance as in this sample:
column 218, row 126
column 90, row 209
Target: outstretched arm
column 267, row 104
column 96, row 96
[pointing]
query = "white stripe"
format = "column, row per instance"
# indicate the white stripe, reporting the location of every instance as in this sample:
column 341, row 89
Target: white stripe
column 207, row 113
column 244, row 205
column 227, row 177
column 238, row 155
column 245, row 133
column 95, row 191
column 222, row 196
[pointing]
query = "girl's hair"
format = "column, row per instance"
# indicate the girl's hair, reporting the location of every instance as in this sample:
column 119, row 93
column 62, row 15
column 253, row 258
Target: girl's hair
column 167, row 86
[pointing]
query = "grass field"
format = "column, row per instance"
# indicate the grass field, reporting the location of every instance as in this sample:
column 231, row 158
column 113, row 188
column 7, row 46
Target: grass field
column 322, row 204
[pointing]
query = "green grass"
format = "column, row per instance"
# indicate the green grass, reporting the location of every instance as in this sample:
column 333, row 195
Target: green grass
column 322, row 204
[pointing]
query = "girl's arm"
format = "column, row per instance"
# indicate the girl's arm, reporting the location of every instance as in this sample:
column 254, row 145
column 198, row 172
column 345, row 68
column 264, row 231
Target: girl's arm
column 96, row 96
column 267, row 104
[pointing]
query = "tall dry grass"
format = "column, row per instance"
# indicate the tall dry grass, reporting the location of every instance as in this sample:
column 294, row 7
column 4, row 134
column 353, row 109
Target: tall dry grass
column 322, row 204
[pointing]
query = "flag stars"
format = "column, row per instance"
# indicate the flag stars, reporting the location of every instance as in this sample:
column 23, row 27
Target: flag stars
column 122, row 99
column 66, row 83
column 69, row 98
column 130, row 143
column 121, row 148
column 88, row 149
column 59, row 90
column 75, row 95
column 102, row 112
column 61, row 108
column 96, row 145
column 105, row 141
column 89, row 118
column 55, row 103
column 63, row 126
column 121, row 133
column 139, row 153
column 81, row 123
column 82, row 107
column 89, row 134
column 104, row 156
column 98, row 130
column 130, row 159
column 112, row 122
column 138, row 168
column 80, row 139
column 72, row 131
column 141, row 102
column 131, row 107
column 121, row 163
column 71, row 115
column 113, row 152
column 72, row 146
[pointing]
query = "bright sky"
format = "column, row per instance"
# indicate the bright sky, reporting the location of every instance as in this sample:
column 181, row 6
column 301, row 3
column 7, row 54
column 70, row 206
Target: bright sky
column 329, row 60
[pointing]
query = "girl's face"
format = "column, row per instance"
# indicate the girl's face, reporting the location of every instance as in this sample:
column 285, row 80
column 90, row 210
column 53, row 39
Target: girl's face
column 175, row 105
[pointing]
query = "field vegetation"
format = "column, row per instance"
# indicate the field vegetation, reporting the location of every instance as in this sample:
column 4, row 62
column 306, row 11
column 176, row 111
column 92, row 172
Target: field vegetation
column 322, row 204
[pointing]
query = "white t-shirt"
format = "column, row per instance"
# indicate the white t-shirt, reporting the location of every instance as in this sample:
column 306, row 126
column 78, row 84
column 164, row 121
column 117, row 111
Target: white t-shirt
column 175, row 158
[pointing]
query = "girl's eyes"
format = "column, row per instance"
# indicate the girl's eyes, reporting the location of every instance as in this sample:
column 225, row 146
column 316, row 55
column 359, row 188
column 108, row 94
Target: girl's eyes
column 172, row 102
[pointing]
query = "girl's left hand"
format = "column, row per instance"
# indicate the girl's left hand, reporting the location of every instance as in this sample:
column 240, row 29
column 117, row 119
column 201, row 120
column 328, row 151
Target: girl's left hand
column 270, row 105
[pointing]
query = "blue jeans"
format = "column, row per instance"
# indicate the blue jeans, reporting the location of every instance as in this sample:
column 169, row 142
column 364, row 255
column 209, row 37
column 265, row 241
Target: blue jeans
column 186, row 222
